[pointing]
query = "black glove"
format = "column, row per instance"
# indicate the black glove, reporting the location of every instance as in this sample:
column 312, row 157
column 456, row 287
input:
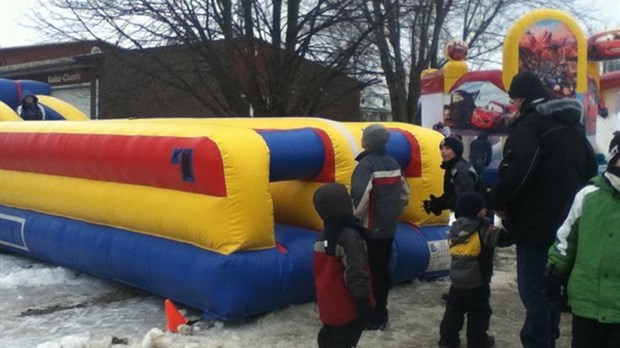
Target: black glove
column 364, row 311
column 434, row 205
column 427, row 206
column 553, row 284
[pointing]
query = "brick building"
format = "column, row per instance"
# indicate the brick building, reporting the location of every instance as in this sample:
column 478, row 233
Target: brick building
column 106, row 82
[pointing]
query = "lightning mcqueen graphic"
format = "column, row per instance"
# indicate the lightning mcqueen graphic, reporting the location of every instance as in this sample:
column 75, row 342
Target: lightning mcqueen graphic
column 604, row 45
column 490, row 116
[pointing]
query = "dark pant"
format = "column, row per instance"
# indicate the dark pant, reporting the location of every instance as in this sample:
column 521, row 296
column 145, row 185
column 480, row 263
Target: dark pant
column 589, row 333
column 345, row 336
column 541, row 326
column 473, row 302
column 479, row 164
column 379, row 254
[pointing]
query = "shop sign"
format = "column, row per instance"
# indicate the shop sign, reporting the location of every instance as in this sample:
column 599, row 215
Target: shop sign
column 64, row 78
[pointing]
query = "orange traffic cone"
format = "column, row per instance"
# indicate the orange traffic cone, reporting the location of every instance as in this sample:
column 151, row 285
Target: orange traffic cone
column 173, row 317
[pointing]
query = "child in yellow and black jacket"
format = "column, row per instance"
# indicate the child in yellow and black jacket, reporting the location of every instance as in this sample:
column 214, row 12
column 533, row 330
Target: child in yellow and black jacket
column 472, row 238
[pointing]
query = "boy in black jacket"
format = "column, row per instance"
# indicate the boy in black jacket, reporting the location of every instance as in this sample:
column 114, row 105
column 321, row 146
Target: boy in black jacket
column 472, row 238
column 341, row 273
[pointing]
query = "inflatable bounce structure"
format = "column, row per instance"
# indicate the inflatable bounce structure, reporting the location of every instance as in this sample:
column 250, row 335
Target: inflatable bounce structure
column 545, row 41
column 12, row 92
column 217, row 213
column 213, row 213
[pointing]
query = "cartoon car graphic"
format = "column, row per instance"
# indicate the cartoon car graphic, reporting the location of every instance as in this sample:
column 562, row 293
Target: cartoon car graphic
column 490, row 116
column 458, row 113
column 604, row 45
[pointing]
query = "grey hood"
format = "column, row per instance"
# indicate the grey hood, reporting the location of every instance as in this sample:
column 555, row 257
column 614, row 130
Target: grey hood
column 462, row 228
column 565, row 110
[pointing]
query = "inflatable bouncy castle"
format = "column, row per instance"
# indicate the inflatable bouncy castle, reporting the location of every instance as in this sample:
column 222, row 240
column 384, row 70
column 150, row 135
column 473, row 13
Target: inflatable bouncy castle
column 605, row 46
column 213, row 213
column 547, row 42
column 12, row 92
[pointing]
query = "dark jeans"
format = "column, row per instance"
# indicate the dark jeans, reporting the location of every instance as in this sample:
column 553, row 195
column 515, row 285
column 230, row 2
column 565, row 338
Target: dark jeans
column 379, row 254
column 345, row 336
column 473, row 302
column 589, row 333
column 541, row 326
column 479, row 164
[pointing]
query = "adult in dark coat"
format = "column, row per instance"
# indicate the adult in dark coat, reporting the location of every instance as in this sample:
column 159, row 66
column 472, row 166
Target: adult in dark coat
column 546, row 160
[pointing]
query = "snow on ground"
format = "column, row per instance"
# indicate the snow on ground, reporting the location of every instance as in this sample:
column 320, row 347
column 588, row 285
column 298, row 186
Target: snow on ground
column 46, row 306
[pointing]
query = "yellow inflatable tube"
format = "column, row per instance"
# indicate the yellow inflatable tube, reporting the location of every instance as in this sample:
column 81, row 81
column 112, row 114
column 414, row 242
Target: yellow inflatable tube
column 99, row 190
column 8, row 114
column 344, row 148
column 292, row 200
column 66, row 110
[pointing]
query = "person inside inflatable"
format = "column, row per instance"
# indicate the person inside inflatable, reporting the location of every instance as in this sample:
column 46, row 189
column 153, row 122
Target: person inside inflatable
column 30, row 109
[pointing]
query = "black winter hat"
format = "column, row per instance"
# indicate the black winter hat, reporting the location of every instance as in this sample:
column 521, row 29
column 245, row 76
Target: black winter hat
column 331, row 200
column 29, row 93
column 527, row 84
column 374, row 137
column 453, row 143
column 468, row 204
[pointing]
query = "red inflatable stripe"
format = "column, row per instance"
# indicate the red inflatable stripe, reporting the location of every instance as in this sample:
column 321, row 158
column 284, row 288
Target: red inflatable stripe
column 183, row 164
column 414, row 167
column 328, row 172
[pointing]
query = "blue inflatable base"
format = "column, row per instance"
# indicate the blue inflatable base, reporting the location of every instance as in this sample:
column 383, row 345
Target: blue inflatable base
column 226, row 287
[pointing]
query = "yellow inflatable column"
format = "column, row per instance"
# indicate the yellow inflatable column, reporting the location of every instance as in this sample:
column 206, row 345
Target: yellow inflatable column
column 8, row 114
column 456, row 52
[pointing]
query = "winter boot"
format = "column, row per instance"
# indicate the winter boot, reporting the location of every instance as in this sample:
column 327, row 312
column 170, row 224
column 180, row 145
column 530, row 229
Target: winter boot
column 377, row 324
column 379, row 320
column 490, row 343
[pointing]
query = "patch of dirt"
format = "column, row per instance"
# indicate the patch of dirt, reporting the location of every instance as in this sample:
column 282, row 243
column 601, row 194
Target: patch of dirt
column 116, row 296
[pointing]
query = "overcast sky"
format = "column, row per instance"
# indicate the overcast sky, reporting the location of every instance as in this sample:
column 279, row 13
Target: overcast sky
column 13, row 13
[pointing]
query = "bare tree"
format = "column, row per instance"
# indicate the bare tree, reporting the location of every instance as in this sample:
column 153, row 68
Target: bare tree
column 410, row 34
column 246, row 53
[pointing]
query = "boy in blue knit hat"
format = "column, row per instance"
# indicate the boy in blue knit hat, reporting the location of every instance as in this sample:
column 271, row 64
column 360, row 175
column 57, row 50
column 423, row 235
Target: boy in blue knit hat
column 459, row 176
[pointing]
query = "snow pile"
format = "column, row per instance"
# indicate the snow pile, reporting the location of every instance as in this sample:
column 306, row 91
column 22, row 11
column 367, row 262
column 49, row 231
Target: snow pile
column 46, row 306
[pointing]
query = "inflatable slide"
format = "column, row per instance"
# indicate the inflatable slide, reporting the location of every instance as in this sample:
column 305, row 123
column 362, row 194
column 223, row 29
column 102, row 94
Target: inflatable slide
column 212, row 213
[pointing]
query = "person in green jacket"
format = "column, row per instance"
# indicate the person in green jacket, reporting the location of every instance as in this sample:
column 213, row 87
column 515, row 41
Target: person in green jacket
column 586, row 253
